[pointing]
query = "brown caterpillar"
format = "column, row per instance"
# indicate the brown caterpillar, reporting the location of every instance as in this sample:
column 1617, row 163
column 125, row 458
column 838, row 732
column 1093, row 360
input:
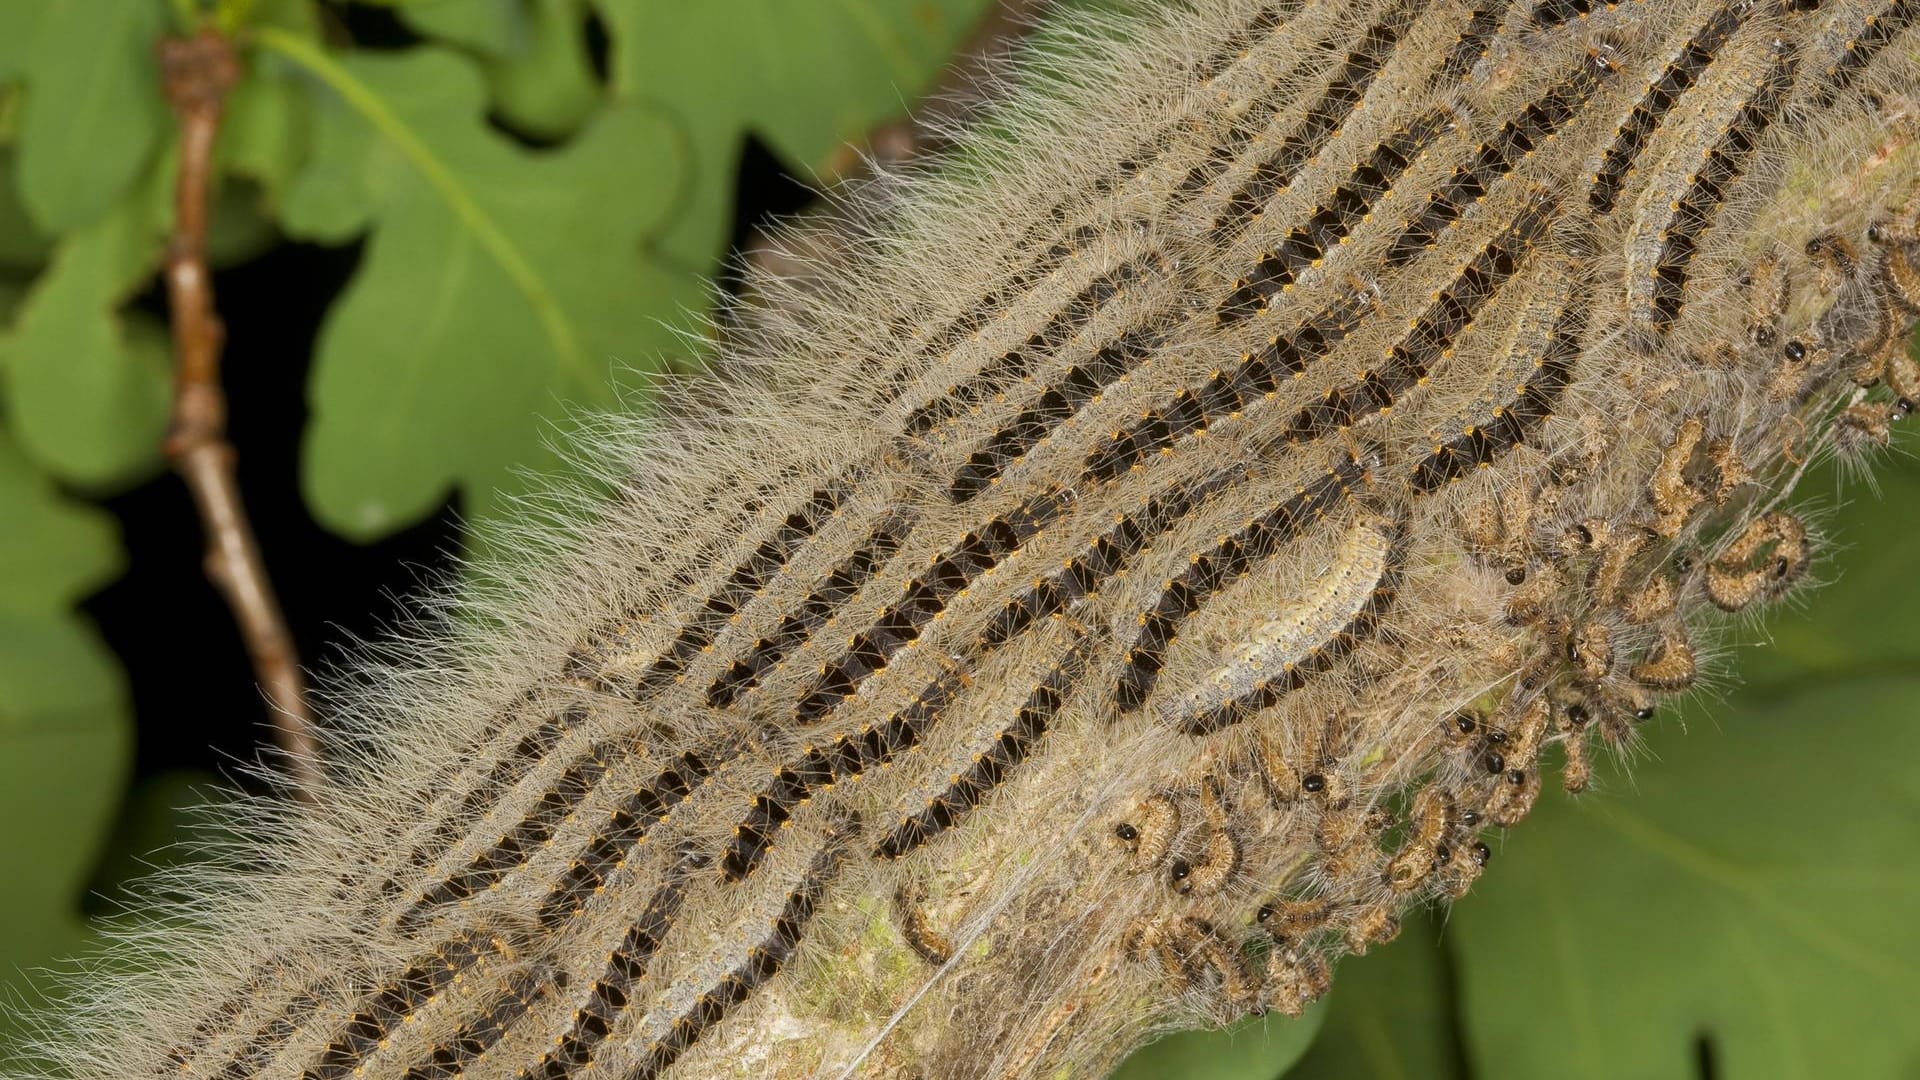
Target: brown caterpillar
column 1170, row 533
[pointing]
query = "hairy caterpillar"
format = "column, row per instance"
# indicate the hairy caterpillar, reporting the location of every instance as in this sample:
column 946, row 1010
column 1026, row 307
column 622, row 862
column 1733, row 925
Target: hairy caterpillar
column 1522, row 317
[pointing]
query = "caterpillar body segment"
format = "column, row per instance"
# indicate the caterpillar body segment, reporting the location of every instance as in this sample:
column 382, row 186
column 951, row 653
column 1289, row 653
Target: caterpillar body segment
column 1141, row 554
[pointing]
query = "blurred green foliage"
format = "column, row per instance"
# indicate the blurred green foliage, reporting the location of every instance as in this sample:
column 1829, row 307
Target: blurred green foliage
column 518, row 277
column 1742, row 894
column 66, row 735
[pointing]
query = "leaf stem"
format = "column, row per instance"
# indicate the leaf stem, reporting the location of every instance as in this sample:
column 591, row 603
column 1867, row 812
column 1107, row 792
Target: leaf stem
column 492, row 238
column 198, row 71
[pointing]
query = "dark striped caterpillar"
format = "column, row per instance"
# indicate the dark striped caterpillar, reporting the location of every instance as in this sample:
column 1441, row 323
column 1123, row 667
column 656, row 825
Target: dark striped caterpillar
column 1148, row 550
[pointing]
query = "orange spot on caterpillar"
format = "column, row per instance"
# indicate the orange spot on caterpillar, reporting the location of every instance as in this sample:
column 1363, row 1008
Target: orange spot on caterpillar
column 1343, row 94
column 740, row 586
column 518, row 844
column 849, row 756
column 990, row 768
column 624, row 829
column 627, row 964
column 1453, row 309
column 1694, row 212
column 1472, row 43
column 1877, row 31
column 503, row 775
column 1482, row 444
column 1053, row 407
column 1257, row 375
column 1537, row 122
column 835, row 590
column 452, row 1058
column 1347, row 206
column 1662, row 94
column 393, row 1002
column 926, row 597
column 1016, row 365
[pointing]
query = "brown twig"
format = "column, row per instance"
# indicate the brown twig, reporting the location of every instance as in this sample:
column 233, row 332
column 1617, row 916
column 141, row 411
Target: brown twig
column 198, row 72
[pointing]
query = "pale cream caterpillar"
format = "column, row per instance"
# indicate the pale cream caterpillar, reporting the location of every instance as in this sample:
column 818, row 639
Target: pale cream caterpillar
column 1279, row 655
column 1446, row 364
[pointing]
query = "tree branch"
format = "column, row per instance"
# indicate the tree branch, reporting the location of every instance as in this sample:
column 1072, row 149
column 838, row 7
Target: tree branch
column 198, row 72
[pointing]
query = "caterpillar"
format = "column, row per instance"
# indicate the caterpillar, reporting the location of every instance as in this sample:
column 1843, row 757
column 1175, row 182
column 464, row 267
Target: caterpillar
column 1270, row 413
column 1279, row 655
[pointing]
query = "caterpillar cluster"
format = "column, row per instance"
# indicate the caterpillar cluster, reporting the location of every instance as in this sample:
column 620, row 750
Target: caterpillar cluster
column 1135, row 558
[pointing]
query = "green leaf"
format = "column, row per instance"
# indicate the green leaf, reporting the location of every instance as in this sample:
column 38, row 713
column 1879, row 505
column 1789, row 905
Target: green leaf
column 1258, row 1048
column 65, row 746
column 55, row 550
column 94, row 111
column 498, row 284
column 65, row 736
column 1752, row 884
column 1755, row 886
column 163, row 826
column 492, row 27
column 1857, row 623
column 264, row 132
column 22, row 243
column 533, row 53
column 1390, row 1015
column 19, row 34
column 805, row 77
column 547, row 87
column 331, row 199
column 86, row 388
column 238, row 228
column 159, row 826
column 236, row 18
